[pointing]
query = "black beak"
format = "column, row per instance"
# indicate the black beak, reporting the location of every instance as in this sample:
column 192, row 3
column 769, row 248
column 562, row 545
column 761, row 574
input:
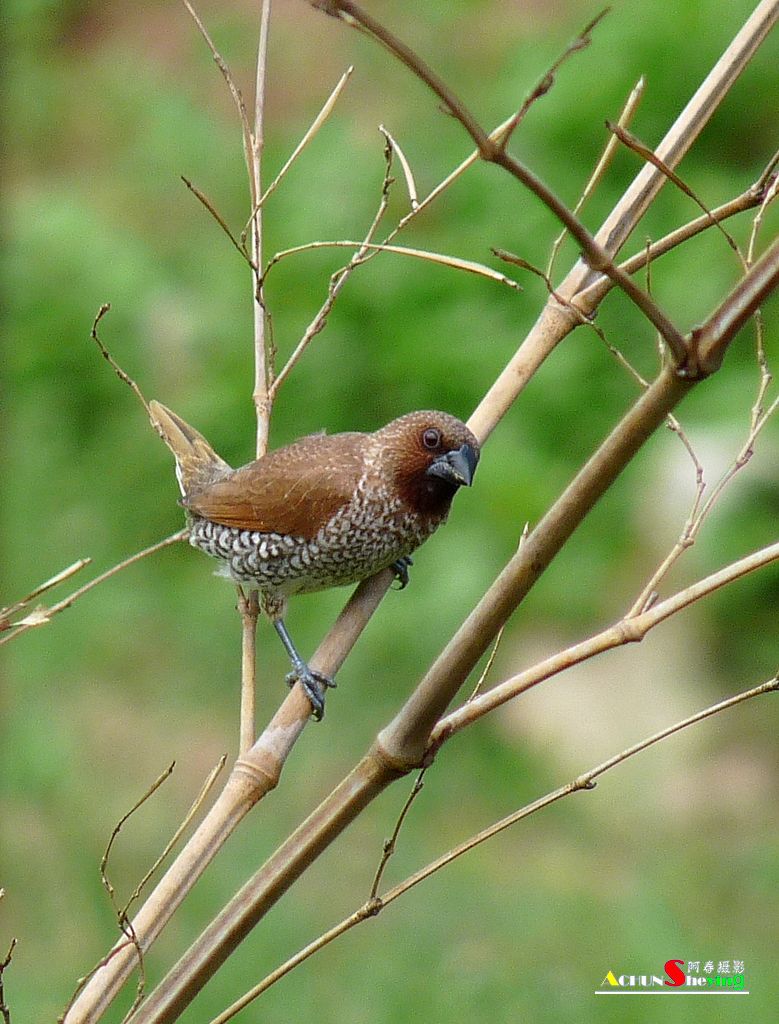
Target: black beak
column 456, row 467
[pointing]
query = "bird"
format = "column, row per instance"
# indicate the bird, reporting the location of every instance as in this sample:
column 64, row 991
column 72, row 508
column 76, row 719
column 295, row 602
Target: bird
column 327, row 510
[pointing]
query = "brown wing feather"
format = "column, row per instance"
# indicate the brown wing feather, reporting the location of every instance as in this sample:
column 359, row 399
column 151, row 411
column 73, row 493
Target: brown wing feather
column 293, row 490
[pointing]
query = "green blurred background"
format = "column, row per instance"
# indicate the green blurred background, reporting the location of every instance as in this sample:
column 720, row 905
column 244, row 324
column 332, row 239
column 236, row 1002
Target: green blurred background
column 675, row 854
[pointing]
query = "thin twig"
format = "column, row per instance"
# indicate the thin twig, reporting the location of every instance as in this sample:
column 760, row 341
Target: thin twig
column 312, row 131
column 249, row 609
column 578, row 316
column 5, row 1011
column 630, row 629
column 771, row 181
column 390, row 844
column 411, row 185
column 633, row 143
column 545, row 83
column 363, row 252
column 235, row 92
column 700, row 509
column 367, row 910
column 206, row 202
column 124, row 923
column 197, row 803
column 442, row 259
column 765, row 376
column 162, row 777
column 120, row 373
column 625, row 118
column 17, row 606
column 42, row 615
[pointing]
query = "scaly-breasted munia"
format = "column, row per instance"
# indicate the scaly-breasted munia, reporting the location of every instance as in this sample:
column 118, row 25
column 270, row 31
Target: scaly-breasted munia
column 323, row 512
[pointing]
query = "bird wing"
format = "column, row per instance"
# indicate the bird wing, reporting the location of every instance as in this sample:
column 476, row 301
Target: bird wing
column 293, row 490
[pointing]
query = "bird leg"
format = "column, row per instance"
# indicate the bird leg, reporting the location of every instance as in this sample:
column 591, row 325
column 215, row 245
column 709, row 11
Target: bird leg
column 400, row 568
column 314, row 683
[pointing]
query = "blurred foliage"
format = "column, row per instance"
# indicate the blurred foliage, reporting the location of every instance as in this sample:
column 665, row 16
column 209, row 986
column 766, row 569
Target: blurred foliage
column 107, row 104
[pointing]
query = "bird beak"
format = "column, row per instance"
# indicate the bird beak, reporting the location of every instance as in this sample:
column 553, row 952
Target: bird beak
column 456, row 467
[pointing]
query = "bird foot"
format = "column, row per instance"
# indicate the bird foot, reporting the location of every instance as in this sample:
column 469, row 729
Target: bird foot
column 400, row 568
column 315, row 684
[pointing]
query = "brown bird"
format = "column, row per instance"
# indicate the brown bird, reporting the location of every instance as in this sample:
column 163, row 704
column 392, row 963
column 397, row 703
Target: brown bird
column 323, row 512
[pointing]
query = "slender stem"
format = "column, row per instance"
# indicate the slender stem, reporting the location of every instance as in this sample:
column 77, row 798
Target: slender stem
column 54, row 581
column 262, row 367
column 606, row 157
column 583, row 782
column 631, row 629
column 249, row 608
column 594, row 294
column 711, row 339
column 46, row 614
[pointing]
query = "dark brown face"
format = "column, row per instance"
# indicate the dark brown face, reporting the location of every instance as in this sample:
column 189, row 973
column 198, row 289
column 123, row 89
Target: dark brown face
column 428, row 455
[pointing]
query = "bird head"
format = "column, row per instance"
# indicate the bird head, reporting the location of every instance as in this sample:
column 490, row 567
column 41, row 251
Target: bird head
column 427, row 456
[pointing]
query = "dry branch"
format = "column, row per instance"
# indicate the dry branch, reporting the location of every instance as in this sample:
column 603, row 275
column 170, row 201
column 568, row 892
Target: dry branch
column 7, row 613
column 630, row 629
column 40, row 616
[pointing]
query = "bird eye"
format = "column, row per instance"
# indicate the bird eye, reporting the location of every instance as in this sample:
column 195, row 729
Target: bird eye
column 431, row 438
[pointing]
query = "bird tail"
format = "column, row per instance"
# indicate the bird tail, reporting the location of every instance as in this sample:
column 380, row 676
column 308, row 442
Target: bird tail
column 197, row 464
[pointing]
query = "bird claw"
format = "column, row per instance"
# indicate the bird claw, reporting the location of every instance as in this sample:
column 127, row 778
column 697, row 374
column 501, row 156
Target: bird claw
column 315, row 685
column 400, row 568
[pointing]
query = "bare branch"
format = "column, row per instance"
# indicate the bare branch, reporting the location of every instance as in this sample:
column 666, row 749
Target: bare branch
column 700, row 509
column 637, row 146
column 263, row 367
column 411, row 185
column 17, row 606
column 206, row 202
column 313, row 130
column 235, row 92
column 442, row 259
column 5, row 1011
column 581, row 42
column 625, row 118
column 124, row 924
column 364, row 251
column 42, row 615
column 391, row 843
column 249, row 608
column 631, row 629
column 120, row 373
column 195, row 807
